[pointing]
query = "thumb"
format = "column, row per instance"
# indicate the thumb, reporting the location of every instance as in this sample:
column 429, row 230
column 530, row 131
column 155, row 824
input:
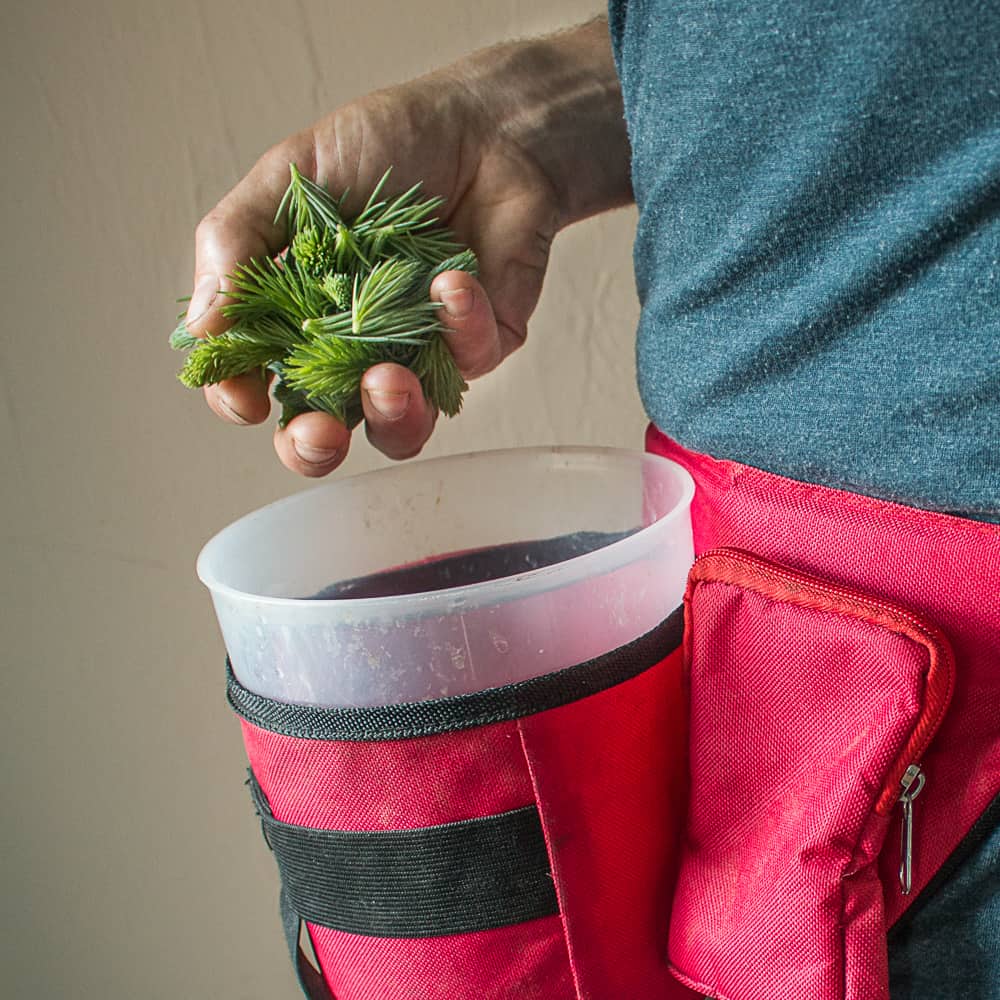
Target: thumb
column 512, row 241
column 471, row 330
column 241, row 227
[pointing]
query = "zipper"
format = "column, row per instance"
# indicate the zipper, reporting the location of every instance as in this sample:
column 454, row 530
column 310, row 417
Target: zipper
column 905, row 779
column 913, row 782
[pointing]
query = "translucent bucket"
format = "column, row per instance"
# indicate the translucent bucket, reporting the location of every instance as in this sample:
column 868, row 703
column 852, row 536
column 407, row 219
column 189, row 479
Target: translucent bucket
column 590, row 547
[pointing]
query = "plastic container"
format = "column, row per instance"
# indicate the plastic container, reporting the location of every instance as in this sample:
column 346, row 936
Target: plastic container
column 446, row 519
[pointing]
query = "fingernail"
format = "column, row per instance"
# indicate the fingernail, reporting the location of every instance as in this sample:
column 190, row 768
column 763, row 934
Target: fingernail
column 457, row 302
column 314, row 456
column 391, row 405
column 227, row 406
column 204, row 292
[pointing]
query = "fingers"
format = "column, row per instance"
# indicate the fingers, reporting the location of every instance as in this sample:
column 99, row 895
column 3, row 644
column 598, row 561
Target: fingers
column 242, row 400
column 471, row 328
column 398, row 420
column 242, row 226
column 312, row 444
column 397, row 417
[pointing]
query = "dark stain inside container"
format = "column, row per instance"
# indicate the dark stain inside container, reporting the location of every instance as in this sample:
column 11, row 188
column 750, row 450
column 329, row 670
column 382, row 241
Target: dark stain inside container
column 460, row 569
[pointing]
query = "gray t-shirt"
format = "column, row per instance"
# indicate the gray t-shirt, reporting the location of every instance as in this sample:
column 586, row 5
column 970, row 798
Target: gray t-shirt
column 818, row 251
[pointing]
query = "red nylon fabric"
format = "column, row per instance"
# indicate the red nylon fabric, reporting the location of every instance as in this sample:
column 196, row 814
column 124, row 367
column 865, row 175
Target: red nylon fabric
column 610, row 775
column 947, row 571
column 797, row 590
column 607, row 774
column 405, row 784
column 392, row 784
column 798, row 715
column 525, row 961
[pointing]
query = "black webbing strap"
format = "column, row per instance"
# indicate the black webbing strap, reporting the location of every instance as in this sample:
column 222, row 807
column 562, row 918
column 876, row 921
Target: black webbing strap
column 310, row 978
column 454, row 878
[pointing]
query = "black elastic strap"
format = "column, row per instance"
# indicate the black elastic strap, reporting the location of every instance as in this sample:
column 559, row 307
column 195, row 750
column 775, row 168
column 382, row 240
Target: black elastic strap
column 310, row 978
column 454, row 878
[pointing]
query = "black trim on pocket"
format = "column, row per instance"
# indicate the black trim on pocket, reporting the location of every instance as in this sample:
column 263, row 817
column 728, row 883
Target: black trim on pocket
column 467, row 711
column 455, row 878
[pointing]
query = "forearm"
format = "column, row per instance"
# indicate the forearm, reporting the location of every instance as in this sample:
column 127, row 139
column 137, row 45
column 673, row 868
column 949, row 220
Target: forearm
column 558, row 99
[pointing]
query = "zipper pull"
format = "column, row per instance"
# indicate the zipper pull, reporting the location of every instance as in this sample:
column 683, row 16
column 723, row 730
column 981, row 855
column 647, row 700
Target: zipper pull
column 913, row 782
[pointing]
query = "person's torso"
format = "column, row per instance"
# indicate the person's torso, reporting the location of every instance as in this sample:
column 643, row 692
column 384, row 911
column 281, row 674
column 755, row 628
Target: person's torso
column 818, row 251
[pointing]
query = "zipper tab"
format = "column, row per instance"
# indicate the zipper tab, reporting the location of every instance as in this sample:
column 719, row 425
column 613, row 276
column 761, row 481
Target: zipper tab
column 913, row 782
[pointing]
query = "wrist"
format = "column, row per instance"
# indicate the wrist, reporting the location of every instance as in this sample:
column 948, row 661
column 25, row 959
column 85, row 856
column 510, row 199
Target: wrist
column 557, row 99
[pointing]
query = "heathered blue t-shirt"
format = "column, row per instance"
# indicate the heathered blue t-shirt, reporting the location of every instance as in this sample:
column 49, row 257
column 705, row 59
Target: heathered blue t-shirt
column 818, row 250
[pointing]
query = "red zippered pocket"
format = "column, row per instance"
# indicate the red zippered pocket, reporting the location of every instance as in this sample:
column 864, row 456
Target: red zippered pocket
column 811, row 706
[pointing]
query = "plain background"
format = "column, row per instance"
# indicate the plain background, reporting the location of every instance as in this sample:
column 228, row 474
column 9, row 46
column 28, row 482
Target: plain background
column 131, row 863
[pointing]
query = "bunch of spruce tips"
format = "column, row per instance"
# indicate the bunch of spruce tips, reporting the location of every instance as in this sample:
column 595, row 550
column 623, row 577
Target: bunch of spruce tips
column 346, row 294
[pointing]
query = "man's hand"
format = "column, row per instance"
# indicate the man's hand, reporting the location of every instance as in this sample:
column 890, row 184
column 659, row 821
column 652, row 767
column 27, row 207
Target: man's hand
column 501, row 149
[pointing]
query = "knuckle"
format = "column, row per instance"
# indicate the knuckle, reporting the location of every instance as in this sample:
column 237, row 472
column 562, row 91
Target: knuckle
column 298, row 149
column 274, row 160
column 207, row 229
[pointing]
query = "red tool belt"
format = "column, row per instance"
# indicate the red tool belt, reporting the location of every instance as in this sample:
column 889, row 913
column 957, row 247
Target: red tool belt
column 729, row 801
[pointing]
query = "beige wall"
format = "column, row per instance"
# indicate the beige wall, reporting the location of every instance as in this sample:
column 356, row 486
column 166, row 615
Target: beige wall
column 131, row 864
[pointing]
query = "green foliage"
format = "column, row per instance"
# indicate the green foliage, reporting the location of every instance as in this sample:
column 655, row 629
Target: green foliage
column 274, row 290
column 346, row 295
column 439, row 376
column 180, row 339
column 243, row 348
column 314, row 251
column 339, row 289
column 307, row 205
column 292, row 402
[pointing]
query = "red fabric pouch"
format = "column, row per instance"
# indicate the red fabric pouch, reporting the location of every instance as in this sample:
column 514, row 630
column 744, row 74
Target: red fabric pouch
column 517, row 842
column 538, row 840
column 820, row 668
column 811, row 707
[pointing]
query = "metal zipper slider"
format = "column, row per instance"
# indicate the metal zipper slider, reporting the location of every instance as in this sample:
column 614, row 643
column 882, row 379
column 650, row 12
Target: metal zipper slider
column 913, row 782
